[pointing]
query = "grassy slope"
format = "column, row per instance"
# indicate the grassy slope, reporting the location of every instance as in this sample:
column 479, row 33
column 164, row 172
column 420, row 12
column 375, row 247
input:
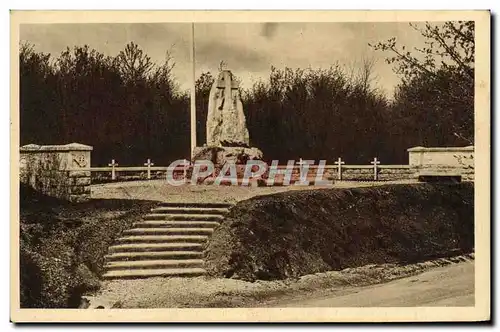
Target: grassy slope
column 296, row 233
column 62, row 245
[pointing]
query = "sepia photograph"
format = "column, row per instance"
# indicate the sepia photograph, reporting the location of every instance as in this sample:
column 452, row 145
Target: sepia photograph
column 264, row 166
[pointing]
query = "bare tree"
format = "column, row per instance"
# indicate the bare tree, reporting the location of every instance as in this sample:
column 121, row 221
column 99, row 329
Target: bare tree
column 438, row 79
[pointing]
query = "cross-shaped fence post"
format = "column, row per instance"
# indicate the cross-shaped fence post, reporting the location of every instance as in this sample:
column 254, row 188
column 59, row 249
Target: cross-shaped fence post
column 375, row 162
column 149, row 164
column 300, row 163
column 113, row 172
column 339, row 162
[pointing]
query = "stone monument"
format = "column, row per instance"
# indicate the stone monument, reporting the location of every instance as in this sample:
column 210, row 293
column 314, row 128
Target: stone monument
column 227, row 133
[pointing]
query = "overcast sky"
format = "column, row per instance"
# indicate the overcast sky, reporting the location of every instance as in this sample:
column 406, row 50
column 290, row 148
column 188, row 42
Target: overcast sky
column 248, row 49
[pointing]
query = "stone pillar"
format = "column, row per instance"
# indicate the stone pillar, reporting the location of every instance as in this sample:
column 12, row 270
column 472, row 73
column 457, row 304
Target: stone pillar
column 61, row 171
column 442, row 161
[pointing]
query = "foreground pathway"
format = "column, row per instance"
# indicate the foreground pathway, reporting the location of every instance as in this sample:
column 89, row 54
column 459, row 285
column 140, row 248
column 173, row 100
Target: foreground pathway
column 442, row 282
column 451, row 285
column 167, row 242
column 160, row 190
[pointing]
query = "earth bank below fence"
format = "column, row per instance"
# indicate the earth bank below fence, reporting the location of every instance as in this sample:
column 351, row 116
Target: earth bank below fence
column 294, row 233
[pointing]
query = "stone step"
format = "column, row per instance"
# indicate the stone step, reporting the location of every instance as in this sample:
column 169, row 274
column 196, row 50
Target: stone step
column 183, row 216
column 169, row 230
column 154, row 264
column 190, row 210
column 176, row 224
column 153, row 255
column 168, row 242
column 148, row 273
column 142, row 247
column 196, row 205
column 162, row 238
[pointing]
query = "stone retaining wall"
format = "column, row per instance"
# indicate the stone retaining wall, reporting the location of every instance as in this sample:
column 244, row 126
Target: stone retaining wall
column 383, row 174
column 349, row 173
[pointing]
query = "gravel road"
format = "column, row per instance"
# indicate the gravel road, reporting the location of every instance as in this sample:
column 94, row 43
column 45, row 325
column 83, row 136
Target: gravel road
column 451, row 285
column 442, row 282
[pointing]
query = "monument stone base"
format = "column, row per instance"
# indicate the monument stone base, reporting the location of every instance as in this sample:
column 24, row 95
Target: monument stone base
column 219, row 155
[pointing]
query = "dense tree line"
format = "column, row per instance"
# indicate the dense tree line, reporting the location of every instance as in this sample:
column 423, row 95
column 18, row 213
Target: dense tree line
column 316, row 114
column 131, row 109
column 125, row 106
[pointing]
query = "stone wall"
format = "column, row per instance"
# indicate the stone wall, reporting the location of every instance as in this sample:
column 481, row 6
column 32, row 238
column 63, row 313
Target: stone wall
column 384, row 173
column 357, row 173
column 57, row 170
column 394, row 173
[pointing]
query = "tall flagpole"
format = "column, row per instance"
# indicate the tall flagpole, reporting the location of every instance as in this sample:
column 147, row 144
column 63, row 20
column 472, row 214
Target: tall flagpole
column 193, row 94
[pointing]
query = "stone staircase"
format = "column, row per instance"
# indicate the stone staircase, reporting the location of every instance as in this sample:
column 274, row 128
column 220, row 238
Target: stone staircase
column 167, row 242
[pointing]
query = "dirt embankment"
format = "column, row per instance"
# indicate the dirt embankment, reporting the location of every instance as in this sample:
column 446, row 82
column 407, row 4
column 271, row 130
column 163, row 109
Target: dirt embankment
column 296, row 233
column 62, row 245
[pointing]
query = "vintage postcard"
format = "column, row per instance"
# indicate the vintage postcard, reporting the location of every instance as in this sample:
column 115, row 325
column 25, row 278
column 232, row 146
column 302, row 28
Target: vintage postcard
column 244, row 166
